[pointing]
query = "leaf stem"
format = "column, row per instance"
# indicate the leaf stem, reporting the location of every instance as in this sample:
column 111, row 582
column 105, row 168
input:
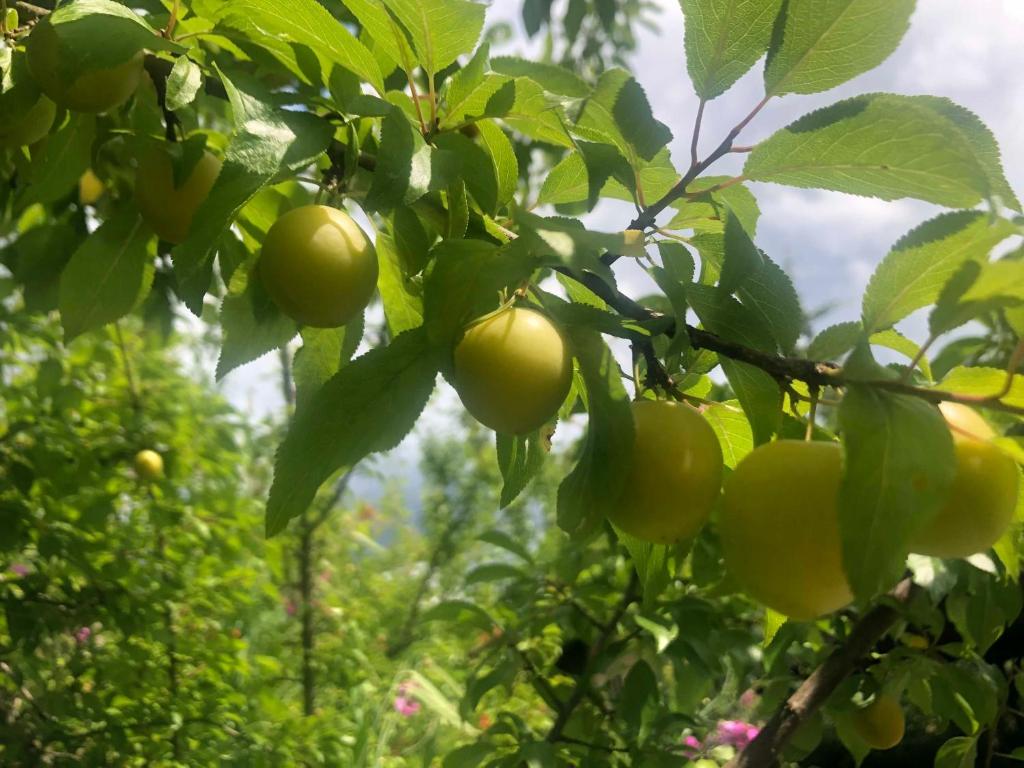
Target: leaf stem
column 694, row 160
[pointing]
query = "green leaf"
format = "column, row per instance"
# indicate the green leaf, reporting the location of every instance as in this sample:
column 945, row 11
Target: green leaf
column 652, row 563
column 638, row 702
column 769, row 294
column 252, row 323
column 374, row 402
column 583, row 175
column 308, row 23
column 459, row 612
column 520, row 458
column 99, row 34
column 899, row 463
column 465, row 83
column 704, row 213
column 489, row 572
column 966, row 693
column 879, row 145
column 503, row 157
column 619, row 113
column 979, row 381
column 108, row 275
column 733, row 431
column 914, row 272
column 550, row 77
column 724, row 39
column 975, row 290
column 266, row 141
column 564, row 242
column 983, row 613
column 478, row 169
column 403, row 304
column 835, row 341
column 67, row 155
column 323, row 353
column 407, row 167
column 958, row 752
column 440, row 30
column 820, row 44
column 464, row 284
column 596, row 482
column 469, row 756
column 506, row 542
column 183, row 83
column 897, row 342
column 741, row 257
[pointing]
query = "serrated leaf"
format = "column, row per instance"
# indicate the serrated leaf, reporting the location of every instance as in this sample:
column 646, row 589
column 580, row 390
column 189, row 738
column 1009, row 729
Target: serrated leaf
column 820, row 44
column 741, row 258
column 619, row 113
column 733, row 431
column 582, row 175
column 914, row 272
column 958, row 752
column 265, row 141
column 403, row 304
column 458, row 611
column 503, row 158
column 565, row 242
column 878, row 145
column 596, row 482
column 770, row 294
column 407, row 167
column 703, row 213
column 323, row 353
column 898, row 465
column 550, row 77
column 478, row 171
column 897, row 342
column 489, row 572
column 465, row 83
column 183, row 83
column 652, row 564
column 835, row 341
column 374, row 402
column 252, row 323
column 308, row 23
column 979, row 381
column 977, row 289
column 464, row 284
column 108, row 275
column 67, row 155
column 520, row 458
column 440, row 30
column 724, row 39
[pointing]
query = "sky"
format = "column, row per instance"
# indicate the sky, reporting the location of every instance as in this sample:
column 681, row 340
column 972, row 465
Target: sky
column 971, row 52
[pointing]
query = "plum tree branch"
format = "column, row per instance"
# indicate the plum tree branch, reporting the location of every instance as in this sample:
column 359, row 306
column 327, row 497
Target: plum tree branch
column 764, row 750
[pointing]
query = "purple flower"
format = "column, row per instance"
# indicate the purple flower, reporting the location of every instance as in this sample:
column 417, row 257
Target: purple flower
column 693, row 746
column 736, row 733
column 19, row 569
column 405, row 706
column 83, row 634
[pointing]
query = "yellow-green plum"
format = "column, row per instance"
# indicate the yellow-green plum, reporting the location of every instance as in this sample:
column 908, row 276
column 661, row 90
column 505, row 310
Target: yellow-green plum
column 149, row 465
column 513, row 370
column 318, row 266
column 780, row 528
column 881, row 723
column 90, row 188
column 983, row 496
column 675, row 477
column 169, row 209
column 91, row 90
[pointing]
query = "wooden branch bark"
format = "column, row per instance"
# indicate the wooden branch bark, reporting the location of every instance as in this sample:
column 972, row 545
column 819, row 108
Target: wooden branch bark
column 764, row 750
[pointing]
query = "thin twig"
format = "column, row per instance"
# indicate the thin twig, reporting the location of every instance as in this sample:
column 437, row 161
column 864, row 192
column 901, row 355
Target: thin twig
column 694, row 160
column 764, row 750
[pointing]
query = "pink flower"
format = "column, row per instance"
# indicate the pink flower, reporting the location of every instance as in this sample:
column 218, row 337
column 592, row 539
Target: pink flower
column 19, row 569
column 693, row 746
column 736, row 733
column 749, row 698
column 83, row 634
column 405, row 706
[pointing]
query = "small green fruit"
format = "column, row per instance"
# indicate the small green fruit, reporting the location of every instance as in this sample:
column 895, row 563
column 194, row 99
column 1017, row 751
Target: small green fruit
column 168, row 209
column 149, row 465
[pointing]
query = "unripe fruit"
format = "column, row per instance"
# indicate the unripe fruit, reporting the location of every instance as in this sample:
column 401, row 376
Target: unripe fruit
column 167, row 209
column 880, row 724
column 513, row 370
column 318, row 266
column 983, row 496
column 31, row 126
column 675, row 476
column 94, row 90
column 90, row 188
column 780, row 528
column 149, row 465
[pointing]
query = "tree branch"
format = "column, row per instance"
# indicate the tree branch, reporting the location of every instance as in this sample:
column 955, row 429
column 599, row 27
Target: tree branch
column 764, row 750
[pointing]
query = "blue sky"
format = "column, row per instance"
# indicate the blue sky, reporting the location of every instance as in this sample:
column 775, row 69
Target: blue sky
column 971, row 52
